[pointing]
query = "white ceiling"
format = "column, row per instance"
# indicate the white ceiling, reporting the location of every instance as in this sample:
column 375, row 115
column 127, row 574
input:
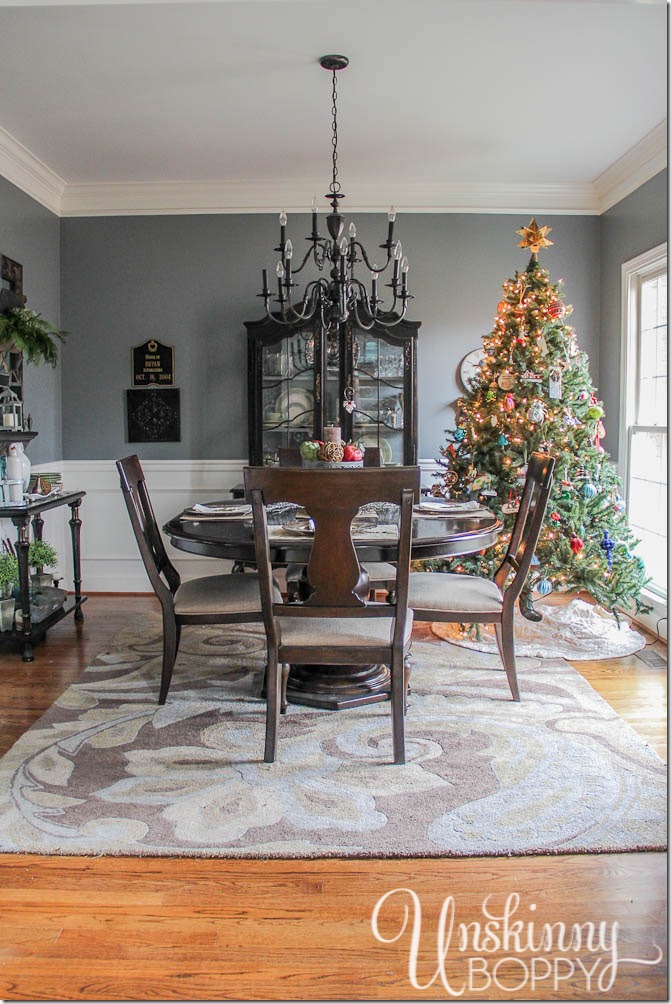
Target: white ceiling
column 448, row 105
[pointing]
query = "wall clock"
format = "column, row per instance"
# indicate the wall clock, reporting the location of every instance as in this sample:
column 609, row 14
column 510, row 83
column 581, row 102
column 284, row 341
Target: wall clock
column 469, row 368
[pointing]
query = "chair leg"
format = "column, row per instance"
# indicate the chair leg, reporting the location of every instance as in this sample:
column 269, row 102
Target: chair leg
column 171, row 636
column 398, row 710
column 285, row 680
column 273, row 687
column 505, row 639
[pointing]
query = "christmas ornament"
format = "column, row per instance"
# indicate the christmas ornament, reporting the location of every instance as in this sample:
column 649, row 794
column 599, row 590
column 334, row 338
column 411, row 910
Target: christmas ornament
column 494, row 420
column 534, row 237
column 512, row 505
column 502, row 307
column 506, row 381
column 490, row 395
column 509, row 402
column 544, row 587
column 583, row 395
column 522, row 473
column 589, row 490
column 530, row 377
column 502, row 440
column 581, row 473
column 565, row 491
column 554, row 384
column 459, row 434
column 543, row 345
column 556, row 309
column 607, row 546
column 594, row 411
column 536, row 412
column 570, row 421
column 555, row 517
column 576, row 544
column 619, row 505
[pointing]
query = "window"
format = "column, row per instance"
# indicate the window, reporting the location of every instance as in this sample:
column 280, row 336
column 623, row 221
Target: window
column 643, row 423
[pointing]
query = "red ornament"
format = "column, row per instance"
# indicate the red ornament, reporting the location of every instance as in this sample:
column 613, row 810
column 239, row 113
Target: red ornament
column 556, row 309
column 502, row 307
column 555, row 517
column 576, row 544
column 509, row 403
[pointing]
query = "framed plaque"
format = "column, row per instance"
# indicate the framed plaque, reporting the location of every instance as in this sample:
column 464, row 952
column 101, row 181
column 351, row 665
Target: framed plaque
column 153, row 415
column 153, row 363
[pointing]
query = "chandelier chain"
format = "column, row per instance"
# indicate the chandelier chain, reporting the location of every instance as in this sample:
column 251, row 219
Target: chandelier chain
column 335, row 184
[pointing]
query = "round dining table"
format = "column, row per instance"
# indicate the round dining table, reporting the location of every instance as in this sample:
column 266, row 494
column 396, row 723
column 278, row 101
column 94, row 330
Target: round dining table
column 458, row 532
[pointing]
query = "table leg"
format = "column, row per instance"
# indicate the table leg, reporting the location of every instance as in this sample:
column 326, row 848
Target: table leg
column 75, row 527
column 22, row 524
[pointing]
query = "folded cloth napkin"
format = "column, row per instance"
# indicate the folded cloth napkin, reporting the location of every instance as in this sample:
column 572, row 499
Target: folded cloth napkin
column 453, row 513
column 230, row 510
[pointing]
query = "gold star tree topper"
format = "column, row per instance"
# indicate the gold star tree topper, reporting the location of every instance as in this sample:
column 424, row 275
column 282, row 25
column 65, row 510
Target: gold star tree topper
column 534, row 237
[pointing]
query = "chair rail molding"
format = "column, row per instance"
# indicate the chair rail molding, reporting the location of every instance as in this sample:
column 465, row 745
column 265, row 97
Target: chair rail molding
column 110, row 559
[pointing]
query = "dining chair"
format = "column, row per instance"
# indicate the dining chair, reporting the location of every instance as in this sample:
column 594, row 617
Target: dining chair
column 210, row 599
column 336, row 623
column 445, row 596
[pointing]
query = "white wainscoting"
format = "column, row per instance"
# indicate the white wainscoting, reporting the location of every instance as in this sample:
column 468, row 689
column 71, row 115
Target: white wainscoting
column 110, row 558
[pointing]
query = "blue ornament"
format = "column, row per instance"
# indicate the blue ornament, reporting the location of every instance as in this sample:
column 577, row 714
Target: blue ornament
column 619, row 505
column 607, row 546
column 502, row 440
column 459, row 434
column 544, row 587
column 589, row 490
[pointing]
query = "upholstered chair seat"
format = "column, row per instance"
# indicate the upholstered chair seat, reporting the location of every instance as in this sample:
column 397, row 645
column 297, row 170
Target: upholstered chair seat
column 220, row 594
column 447, row 592
column 352, row 632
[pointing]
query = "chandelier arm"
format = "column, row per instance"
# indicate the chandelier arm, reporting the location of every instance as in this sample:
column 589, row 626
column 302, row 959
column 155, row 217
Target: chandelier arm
column 311, row 253
column 397, row 320
column 365, row 326
column 371, row 268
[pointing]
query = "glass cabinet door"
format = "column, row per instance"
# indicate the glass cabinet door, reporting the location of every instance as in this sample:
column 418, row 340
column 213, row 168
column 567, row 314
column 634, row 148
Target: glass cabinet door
column 287, row 393
column 378, row 389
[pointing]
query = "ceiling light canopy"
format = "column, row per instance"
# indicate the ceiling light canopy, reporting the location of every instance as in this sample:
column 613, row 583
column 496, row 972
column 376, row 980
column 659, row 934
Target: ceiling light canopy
column 341, row 296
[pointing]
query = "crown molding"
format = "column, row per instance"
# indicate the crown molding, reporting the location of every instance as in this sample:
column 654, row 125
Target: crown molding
column 155, row 198
column 19, row 166
column 31, row 175
column 633, row 169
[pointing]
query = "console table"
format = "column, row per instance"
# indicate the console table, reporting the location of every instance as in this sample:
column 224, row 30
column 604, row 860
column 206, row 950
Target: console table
column 22, row 516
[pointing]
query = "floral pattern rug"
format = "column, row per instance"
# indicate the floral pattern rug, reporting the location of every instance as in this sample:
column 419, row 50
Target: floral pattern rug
column 108, row 771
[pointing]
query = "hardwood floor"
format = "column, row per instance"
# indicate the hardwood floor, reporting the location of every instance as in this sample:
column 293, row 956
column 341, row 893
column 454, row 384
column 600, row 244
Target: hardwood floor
column 195, row 929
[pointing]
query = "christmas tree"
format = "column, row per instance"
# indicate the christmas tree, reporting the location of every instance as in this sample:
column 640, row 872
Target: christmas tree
column 533, row 392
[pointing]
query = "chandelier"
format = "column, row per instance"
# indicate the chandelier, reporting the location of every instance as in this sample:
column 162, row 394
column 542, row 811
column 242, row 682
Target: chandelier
column 338, row 296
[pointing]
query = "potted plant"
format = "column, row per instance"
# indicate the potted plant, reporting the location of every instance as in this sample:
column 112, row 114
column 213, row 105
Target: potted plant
column 41, row 555
column 9, row 575
column 22, row 330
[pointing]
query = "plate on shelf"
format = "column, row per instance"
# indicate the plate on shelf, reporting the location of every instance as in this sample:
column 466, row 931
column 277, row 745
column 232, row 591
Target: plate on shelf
column 386, row 452
column 293, row 402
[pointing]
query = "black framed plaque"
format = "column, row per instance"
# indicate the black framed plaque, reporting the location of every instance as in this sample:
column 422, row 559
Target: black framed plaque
column 153, row 363
column 153, row 415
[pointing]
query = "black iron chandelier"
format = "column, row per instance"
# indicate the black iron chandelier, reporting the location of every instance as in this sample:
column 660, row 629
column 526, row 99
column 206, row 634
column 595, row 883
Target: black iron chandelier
column 340, row 297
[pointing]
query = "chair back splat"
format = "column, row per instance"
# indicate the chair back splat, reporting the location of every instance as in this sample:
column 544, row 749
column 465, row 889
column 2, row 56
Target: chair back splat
column 528, row 523
column 157, row 564
column 337, row 597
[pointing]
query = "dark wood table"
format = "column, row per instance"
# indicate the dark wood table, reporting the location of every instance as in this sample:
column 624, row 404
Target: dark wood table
column 335, row 687
column 22, row 516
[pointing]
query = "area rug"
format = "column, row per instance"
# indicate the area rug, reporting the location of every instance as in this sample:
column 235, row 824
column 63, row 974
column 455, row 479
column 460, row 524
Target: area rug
column 578, row 631
column 107, row 771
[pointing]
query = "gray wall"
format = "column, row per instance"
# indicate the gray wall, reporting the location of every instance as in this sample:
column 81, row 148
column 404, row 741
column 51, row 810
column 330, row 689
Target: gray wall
column 191, row 281
column 30, row 235
column 634, row 225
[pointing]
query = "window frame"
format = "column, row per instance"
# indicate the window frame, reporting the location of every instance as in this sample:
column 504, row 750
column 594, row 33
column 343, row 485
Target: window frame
column 634, row 272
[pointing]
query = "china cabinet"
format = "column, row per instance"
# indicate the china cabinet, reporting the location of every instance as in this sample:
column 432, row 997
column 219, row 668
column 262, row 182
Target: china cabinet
column 302, row 378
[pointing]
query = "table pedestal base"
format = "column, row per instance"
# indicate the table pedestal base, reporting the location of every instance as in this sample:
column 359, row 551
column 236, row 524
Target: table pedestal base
column 337, row 687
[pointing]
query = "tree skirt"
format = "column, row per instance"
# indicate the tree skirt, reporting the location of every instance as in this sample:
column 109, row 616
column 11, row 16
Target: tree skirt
column 576, row 631
column 108, row 771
